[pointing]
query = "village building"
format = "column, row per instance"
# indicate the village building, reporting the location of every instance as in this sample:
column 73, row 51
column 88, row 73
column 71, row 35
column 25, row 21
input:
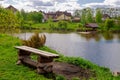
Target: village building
column 105, row 16
column 92, row 26
column 59, row 15
column 10, row 7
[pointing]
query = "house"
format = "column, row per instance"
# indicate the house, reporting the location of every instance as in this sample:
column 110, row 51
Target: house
column 76, row 19
column 59, row 15
column 105, row 16
column 10, row 7
column 92, row 26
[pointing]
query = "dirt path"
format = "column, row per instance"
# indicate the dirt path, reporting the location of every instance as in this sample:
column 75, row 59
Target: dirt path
column 69, row 71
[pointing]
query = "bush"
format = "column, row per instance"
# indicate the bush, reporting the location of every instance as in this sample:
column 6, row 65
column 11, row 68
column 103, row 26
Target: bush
column 62, row 25
column 80, row 25
column 35, row 41
column 109, row 23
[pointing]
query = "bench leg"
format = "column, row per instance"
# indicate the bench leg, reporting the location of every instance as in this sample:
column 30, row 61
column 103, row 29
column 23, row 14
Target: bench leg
column 40, row 71
column 48, row 68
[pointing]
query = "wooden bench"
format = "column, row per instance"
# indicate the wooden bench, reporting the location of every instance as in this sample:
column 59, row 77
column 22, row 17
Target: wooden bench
column 44, row 59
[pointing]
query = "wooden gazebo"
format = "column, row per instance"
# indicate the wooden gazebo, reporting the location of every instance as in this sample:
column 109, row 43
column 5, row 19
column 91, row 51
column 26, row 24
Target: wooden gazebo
column 92, row 26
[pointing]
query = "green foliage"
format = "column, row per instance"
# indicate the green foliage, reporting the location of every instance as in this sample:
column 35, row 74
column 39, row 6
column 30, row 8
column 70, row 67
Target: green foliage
column 89, row 16
column 19, row 18
column 109, row 23
column 35, row 17
column 98, row 16
column 7, row 19
column 75, row 78
column 83, row 19
column 62, row 25
column 60, row 77
column 80, row 25
column 35, row 41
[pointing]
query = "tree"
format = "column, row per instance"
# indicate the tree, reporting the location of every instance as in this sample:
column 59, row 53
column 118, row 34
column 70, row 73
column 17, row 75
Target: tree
column 98, row 16
column 35, row 17
column 8, row 19
column 83, row 20
column 109, row 23
column 19, row 18
column 89, row 16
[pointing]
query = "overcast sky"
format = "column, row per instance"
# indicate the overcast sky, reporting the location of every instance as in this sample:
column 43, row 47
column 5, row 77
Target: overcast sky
column 55, row 5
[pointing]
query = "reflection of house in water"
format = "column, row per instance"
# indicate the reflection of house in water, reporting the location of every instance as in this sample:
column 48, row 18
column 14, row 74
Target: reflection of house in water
column 95, row 36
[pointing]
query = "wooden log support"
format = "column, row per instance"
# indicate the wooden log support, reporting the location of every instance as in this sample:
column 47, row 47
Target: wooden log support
column 44, row 60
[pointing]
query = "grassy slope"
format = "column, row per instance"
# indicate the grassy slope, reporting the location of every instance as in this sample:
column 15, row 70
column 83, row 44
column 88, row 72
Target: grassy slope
column 8, row 57
column 10, row 71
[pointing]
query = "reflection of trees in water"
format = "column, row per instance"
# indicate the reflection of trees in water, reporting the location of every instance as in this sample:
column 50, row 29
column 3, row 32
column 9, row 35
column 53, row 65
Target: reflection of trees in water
column 89, row 36
column 108, row 35
column 119, row 36
column 10, row 31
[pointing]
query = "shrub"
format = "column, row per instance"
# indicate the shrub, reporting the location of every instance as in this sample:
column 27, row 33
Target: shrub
column 109, row 23
column 35, row 41
column 62, row 25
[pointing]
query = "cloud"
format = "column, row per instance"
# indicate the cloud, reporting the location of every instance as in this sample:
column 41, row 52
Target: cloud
column 42, row 3
column 55, row 5
column 106, row 3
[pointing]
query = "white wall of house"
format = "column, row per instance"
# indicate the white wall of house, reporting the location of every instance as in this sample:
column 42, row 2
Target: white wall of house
column 64, row 17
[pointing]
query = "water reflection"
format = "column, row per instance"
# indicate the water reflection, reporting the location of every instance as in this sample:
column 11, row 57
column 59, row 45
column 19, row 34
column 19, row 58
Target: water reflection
column 90, row 36
column 107, row 35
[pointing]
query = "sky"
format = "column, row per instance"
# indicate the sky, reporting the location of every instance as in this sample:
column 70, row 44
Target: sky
column 58, row 5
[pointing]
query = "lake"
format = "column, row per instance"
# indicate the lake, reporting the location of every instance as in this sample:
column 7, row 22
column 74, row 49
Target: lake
column 100, row 48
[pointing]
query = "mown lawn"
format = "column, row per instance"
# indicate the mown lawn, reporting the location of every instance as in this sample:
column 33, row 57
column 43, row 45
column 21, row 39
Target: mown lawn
column 10, row 71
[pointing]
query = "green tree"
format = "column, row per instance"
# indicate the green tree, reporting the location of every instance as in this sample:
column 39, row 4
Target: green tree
column 8, row 19
column 19, row 18
column 98, row 16
column 83, row 20
column 89, row 16
column 35, row 17
column 24, row 14
column 109, row 23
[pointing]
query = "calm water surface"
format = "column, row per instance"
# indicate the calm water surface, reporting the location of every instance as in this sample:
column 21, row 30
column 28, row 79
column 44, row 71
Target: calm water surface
column 102, row 49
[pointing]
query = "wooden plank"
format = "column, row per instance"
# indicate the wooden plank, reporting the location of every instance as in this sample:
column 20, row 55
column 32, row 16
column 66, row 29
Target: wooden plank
column 38, row 52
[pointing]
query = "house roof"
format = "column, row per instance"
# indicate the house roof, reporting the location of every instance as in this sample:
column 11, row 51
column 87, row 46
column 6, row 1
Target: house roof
column 92, row 25
column 54, row 15
column 12, row 8
column 106, row 16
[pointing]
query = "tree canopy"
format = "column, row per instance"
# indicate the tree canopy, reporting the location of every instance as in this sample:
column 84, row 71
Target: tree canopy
column 7, row 19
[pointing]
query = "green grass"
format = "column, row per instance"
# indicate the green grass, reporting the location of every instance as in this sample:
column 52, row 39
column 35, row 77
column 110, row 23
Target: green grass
column 10, row 71
column 71, row 26
column 8, row 58
column 46, row 27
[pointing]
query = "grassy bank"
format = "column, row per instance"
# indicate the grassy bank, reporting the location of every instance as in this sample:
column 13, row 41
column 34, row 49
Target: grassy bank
column 8, row 57
column 10, row 71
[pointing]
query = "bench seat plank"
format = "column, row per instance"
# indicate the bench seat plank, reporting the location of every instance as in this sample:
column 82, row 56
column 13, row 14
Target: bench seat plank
column 38, row 52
